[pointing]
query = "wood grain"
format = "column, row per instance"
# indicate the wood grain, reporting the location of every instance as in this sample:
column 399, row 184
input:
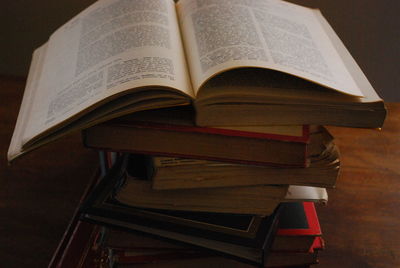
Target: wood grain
column 40, row 191
column 361, row 222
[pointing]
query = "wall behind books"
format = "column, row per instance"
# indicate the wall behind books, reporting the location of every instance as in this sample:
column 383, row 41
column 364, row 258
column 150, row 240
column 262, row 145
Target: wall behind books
column 369, row 29
column 25, row 25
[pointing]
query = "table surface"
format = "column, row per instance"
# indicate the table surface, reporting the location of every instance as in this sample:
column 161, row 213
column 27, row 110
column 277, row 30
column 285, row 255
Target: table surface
column 40, row 191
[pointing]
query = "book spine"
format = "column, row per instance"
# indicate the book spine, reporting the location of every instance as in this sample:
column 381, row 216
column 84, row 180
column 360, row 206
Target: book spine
column 226, row 131
column 66, row 240
column 103, row 163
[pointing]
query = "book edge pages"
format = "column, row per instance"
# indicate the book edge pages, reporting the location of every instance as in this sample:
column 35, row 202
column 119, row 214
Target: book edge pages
column 15, row 148
column 306, row 193
column 359, row 77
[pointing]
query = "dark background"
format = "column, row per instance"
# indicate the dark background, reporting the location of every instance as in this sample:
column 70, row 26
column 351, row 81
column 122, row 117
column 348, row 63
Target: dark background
column 39, row 192
column 369, row 29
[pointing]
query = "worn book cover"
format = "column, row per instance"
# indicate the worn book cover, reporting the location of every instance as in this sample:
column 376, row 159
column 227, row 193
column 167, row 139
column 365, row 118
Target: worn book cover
column 172, row 132
column 298, row 227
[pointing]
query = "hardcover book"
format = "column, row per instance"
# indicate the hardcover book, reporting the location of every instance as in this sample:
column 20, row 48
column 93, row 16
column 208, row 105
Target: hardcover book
column 91, row 245
column 135, row 190
column 172, row 132
column 95, row 246
column 169, row 173
column 88, row 245
column 298, row 227
column 172, row 257
column 242, row 236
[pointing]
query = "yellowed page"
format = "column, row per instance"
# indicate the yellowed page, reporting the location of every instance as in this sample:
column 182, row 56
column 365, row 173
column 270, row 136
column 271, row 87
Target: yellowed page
column 110, row 47
column 224, row 34
column 357, row 74
column 15, row 148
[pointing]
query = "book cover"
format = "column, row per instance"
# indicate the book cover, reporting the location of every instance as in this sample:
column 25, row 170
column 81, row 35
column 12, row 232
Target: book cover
column 246, row 237
column 298, row 227
column 172, row 132
column 228, row 227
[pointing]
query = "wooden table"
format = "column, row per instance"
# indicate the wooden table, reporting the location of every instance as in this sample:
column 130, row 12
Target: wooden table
column 361, row 223
column 40, row 191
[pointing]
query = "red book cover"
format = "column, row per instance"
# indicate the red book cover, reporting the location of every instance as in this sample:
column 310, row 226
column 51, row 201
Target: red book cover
column 159, row 256
column 298, row 227
column 248, row 132
column 172, row 133
column 83, row 250
column 301, row 220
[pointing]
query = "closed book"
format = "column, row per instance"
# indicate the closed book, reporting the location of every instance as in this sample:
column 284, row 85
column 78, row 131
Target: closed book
column 242, row 236
column 183, row 173
column 156, row 257
column 94, row 246
column 130, row 187
column 172, row 132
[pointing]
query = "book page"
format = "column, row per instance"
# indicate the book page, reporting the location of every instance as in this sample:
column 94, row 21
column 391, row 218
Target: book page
column 112, row 46
column 368, row 91
column 225, row 34
column 306, row 193
column 15, row 148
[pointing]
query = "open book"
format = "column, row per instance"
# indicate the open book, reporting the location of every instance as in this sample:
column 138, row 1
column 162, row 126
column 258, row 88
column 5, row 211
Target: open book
column 257, row 62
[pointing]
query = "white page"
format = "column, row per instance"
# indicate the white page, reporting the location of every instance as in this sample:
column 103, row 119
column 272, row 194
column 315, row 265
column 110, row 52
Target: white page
column 110, row 47
column 224, row 34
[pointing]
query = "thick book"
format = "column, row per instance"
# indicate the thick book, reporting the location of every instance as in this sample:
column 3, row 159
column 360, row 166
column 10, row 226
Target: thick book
column 252, row 254
column 242, row 236
column 135, row 189
column 129, row 186
column 238, row 63
column 94, row 246
column 298, row 230
column 169, row 173
column 172, row 132
column 172, row 256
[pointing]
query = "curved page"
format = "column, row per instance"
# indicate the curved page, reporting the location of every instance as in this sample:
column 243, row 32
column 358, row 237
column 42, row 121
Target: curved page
column 110, row 47
column 220, row 35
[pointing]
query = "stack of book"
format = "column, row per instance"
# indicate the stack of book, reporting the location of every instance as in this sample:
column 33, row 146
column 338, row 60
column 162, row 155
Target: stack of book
column 291, row 237
column 214, row 114
column 296, row 244
column 232, row 190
